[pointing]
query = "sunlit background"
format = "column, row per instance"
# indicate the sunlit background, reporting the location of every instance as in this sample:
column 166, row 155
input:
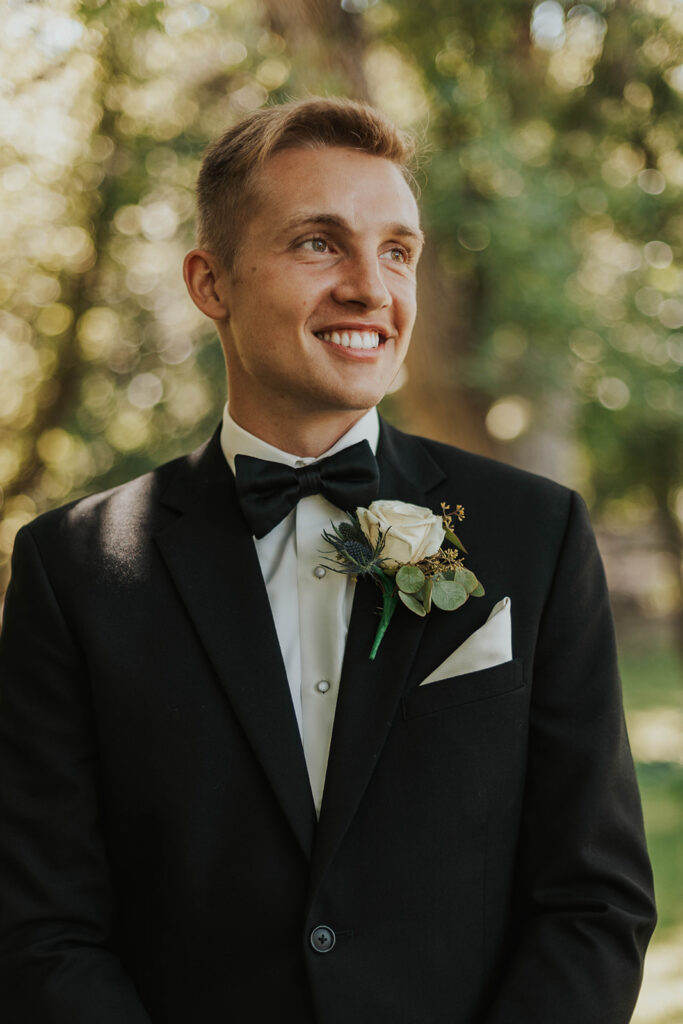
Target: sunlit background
column 551, row 290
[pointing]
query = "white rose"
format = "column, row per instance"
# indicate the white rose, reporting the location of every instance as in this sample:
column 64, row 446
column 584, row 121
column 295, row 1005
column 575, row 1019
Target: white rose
column 413, row 533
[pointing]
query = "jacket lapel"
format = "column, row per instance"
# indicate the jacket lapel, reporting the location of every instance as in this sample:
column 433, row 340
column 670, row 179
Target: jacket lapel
column 371, row 690
column 210, row 553
column 211, row 557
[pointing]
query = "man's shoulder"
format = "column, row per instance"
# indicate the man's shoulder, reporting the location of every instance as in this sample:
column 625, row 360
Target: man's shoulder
column 510, row 514
column 127, row 510
column 477, row 474
column 125, row 501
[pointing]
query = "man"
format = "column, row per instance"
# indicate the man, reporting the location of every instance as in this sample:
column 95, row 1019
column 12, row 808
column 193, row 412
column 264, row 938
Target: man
column 215, row 806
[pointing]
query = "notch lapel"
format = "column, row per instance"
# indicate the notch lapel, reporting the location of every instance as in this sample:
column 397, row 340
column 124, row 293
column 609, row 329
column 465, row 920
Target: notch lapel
column 211, row 557
column 370, row 691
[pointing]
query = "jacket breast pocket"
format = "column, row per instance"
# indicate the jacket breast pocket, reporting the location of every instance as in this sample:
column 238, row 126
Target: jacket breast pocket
column 465, row 689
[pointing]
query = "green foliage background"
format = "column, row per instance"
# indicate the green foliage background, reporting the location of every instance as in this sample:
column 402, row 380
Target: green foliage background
column 550, row 333
column 552, row 287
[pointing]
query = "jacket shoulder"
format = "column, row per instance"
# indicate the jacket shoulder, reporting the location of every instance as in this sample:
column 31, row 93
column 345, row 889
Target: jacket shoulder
column 124, row 503
column 120, row 519
column 481, row 473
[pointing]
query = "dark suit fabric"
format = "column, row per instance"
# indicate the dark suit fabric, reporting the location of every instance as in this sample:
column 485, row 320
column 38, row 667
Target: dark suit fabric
column 479, row 854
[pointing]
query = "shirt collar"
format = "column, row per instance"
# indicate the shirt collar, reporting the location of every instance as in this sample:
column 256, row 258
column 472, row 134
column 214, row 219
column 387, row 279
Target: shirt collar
column 235, row 440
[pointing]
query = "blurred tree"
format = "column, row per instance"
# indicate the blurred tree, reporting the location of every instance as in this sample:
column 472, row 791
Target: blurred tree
column 554, row 195
column 627, row 366
column 107, row 367
column 551, row 293
column 329, row 43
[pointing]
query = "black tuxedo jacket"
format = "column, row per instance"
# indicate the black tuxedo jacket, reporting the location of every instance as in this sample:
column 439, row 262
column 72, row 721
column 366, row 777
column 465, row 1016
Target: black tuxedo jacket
column 479, row 854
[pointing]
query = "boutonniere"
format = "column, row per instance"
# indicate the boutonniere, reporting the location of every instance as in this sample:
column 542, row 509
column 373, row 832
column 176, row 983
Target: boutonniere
column 400, row 548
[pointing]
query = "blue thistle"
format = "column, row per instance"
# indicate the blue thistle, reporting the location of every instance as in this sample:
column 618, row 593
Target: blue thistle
column 355, row 554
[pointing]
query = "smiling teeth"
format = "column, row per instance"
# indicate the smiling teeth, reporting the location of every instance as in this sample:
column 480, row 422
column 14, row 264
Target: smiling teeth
column 351, row 339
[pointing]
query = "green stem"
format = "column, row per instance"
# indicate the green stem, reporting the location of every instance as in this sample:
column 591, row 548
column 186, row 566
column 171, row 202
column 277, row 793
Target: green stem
column 389, row 602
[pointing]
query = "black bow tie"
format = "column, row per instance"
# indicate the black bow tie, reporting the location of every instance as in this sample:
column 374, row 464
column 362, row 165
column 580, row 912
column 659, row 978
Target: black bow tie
column 267, row 491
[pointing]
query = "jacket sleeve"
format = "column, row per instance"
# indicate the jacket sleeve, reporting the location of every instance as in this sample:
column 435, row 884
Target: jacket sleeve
column 58, row 964
column 584, row 885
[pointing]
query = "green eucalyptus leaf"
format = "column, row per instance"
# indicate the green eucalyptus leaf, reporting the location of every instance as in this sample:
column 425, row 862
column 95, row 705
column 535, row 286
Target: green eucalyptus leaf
column 478, row 590
column 412, row 603
column 427, row 595
column 448, row 595
column 467, row 580
column 454, row 540
column 410, row 579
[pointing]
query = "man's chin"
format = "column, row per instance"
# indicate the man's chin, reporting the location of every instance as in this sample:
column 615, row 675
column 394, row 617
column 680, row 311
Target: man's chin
column 354, row 392
column 357, row 401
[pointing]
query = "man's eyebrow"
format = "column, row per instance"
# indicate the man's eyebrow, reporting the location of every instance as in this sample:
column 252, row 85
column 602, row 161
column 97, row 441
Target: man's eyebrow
column 335, row 221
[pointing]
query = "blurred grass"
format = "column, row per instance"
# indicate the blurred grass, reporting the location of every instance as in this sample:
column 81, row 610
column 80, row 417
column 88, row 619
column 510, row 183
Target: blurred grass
column 661, row 786
column 653, row 698
column 653, row 683
column 651, row 677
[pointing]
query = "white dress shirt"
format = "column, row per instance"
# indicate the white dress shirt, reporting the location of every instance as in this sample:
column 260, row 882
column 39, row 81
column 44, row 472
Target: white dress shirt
column 311, row 604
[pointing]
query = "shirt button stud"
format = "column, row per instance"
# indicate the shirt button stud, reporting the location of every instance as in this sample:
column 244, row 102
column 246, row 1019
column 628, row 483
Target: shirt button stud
column 323, row 686
column 299, row 464
column 319, row 571
column 323, row 939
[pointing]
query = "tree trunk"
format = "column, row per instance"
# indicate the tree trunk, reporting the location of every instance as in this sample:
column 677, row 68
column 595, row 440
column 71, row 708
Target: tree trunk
column 435, row 401
column 327, row 40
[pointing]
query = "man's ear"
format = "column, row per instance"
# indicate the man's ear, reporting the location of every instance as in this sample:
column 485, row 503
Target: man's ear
column 207, row 279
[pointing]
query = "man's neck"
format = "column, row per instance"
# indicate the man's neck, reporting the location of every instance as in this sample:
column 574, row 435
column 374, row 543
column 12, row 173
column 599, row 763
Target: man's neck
column 307, row 436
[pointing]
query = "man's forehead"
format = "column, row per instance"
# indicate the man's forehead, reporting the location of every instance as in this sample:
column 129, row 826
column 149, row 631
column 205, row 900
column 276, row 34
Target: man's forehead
column 317, row 185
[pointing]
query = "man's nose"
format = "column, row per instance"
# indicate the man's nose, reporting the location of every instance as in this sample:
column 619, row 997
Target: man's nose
column 361, row 282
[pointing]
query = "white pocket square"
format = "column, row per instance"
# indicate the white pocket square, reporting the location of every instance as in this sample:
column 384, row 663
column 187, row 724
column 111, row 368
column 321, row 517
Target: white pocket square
column 488, row 646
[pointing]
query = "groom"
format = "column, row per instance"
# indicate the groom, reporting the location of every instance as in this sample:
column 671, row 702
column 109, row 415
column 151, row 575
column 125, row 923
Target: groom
column 214, row 806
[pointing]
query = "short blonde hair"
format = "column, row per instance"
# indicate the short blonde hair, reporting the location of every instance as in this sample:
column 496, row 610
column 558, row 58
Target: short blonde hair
column 226, row 197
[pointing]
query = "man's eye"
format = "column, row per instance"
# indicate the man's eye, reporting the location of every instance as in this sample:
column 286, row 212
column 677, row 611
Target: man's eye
column 398, row 254
column 315, row 245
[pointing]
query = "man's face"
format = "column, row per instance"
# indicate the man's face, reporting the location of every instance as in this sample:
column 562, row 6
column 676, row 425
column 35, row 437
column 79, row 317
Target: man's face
column 321, row 298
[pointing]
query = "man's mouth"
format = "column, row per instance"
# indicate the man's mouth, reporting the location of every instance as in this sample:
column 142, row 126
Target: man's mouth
column 351, row 339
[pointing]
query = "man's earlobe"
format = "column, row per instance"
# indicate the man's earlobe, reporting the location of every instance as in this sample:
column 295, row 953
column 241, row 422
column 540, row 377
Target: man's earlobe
column 206, row 281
